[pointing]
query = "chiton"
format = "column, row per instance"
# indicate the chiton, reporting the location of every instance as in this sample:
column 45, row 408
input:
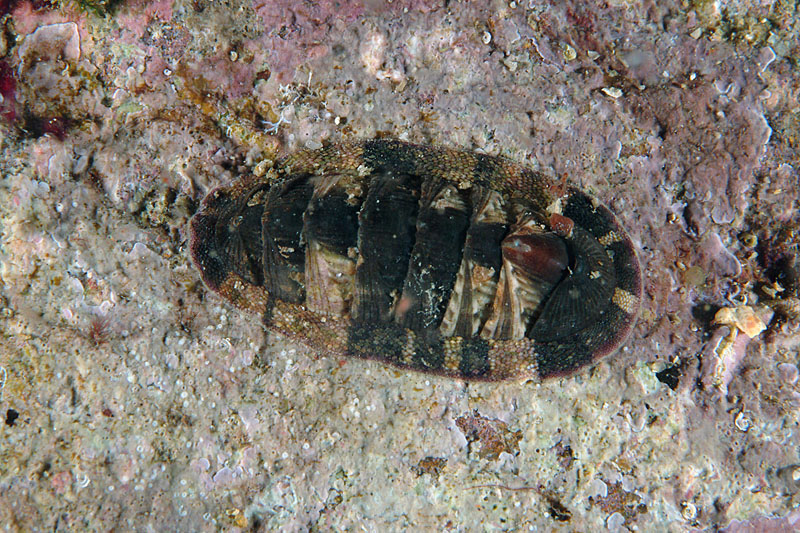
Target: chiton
column 431, row 259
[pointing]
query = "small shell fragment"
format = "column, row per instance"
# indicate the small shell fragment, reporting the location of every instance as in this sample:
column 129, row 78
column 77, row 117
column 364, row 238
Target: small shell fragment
column 744, row 318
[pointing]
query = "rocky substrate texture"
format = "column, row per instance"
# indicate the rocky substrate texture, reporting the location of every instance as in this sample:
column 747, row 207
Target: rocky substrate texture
column 131, row 397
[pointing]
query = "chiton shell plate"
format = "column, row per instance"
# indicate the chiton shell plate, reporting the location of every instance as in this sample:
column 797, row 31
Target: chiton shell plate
column 431, row 259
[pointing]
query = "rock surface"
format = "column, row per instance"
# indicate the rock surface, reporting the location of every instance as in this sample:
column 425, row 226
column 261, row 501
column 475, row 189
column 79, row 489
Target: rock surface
column 133, row 398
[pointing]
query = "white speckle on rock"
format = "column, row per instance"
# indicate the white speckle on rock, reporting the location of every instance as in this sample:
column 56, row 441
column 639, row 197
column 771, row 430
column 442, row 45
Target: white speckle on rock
column 223, row 476
column 766, row 57
column 372, row 52
column 615, row 522
column 597, row 489
column 742, row 422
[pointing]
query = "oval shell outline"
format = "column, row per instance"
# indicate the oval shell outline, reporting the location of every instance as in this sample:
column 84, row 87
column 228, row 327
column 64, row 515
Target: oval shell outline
column 431, row 259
